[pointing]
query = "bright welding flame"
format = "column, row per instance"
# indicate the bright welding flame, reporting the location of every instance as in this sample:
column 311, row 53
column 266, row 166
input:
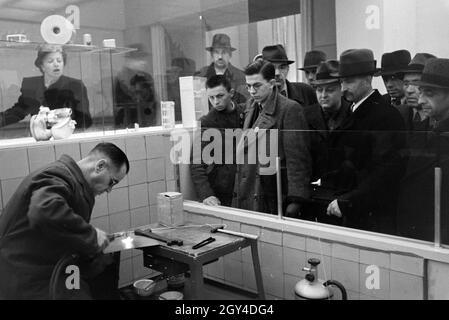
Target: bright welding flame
column 128, row 242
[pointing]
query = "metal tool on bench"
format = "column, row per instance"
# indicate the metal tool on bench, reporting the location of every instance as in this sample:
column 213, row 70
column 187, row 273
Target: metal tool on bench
column 152, row 235
column 234, row 233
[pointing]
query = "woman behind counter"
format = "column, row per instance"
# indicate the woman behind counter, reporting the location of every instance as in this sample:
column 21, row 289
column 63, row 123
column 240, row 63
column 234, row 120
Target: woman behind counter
column 52, row 90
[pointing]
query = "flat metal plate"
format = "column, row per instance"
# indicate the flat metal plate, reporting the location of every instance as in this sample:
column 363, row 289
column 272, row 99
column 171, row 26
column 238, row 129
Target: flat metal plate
column 129, row 241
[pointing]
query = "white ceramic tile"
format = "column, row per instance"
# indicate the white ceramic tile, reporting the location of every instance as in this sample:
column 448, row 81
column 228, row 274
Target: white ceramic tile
column 1, row 197
column 407, row 264
column 118, row 200
column 156, row 169
column 172, row 186
column 170, row 170
column 294, row 261
column 352, row 295
column 138, row 196
column 318, row 246
column 8, row 188
column 271, row 256
column 347, row 273
column 289, row 286
column 101, row 223
column 137, row 172
column 135, row 148
column 273, row 281
column 120, row 221
column 271, row 236
column 40, row 156
column 70, row 149
column 154, row 188
column 101, row 206
column 153, row 214
column 378, row 258
column 438, row 280
column 233, row 271
column 365, row 297
column 405, row 286
column 249, row 278
column 87, row 146
column 126, row 272
column 140, row 217
column 374, row 282
column 293, row 241
column 345, row 252
column 155, row 146
column 13, row 163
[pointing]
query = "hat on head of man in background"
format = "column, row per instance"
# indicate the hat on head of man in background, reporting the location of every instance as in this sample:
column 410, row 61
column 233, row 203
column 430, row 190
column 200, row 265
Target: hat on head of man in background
column 221, row 41
column 418, row 62
column 394, row 62
column 357, row 62
column 435, row 74
column 327, row 73
column 276, row 54
column 313, row 59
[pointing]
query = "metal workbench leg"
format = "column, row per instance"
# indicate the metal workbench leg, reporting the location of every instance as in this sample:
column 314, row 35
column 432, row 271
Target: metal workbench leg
column 197, row 281
column 257, row 271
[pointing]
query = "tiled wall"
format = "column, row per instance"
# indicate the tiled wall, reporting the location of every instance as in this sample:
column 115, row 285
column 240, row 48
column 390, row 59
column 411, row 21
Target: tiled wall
column 283, row 255
column 132, row 203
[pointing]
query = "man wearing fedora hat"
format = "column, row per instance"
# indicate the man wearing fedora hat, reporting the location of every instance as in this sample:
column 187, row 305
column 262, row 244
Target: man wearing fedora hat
column 419, row 206
column 300, row 92
column 221, row 53
column 311, row 62
column 324, row 119
column 393, row 65
column 366, row 162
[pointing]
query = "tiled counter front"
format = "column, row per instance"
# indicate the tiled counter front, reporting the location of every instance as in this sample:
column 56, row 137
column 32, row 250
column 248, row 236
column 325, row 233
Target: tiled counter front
column 283, row 254
column 132, row 203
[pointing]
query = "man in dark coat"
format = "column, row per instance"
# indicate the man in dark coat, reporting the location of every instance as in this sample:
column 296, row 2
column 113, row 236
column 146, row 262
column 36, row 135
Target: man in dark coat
column 214, row 182
column 393, row 63
column 282, row 118
column 324, row 119
column 221, row 53
column 416, row 209
column 300, row 92
column 367, row 160
column 47, row 219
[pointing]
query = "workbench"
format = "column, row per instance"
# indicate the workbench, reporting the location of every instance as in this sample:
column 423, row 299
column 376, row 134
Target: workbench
column 171, row 260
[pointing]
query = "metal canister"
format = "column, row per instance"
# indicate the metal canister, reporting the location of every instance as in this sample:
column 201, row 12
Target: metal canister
column 87, row 39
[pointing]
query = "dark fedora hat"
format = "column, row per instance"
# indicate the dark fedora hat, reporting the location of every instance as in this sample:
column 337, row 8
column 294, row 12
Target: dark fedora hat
column 394, row 62
column 276, row 54
column 435, row 74
column 221, row 41
column 418, row 62
column 327, row 72
column 313, row 59
column 357, row 62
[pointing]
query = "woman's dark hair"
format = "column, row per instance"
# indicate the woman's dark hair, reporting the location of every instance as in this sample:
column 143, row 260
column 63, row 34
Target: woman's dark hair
column 219, row 80
column 266, row 69
column 46, row 49
column 114, row 153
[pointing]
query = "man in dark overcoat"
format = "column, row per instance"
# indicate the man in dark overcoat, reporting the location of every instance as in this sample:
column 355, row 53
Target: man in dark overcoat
column 368, row 154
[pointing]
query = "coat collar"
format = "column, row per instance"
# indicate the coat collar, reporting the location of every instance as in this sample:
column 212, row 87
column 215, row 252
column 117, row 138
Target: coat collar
column 265, row 119
column 228, row 73
column 77, row 173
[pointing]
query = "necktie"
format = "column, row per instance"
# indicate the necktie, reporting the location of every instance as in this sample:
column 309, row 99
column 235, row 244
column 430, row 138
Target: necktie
column 417, row 117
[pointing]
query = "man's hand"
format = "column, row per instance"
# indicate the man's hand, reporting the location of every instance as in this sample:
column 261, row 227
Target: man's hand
column 293, row 210
column 334, row 210
column 212, row 201
column 102, row 239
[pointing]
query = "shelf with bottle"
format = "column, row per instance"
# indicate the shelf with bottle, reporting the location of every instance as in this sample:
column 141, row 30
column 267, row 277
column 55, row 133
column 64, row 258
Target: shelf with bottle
column 70, row 47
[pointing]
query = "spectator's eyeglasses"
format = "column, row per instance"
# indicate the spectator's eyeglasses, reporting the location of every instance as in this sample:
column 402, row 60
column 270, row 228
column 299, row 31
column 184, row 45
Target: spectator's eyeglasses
column 256, row 86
